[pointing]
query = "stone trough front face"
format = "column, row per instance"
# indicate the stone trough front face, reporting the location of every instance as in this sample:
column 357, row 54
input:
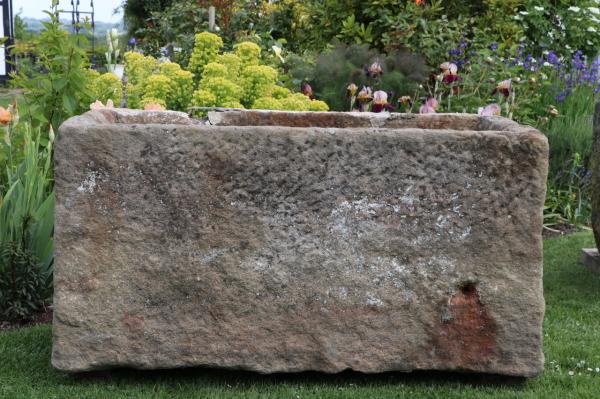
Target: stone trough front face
column 320, row 242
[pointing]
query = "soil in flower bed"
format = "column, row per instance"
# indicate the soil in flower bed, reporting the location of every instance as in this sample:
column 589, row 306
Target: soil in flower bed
column 44, row 316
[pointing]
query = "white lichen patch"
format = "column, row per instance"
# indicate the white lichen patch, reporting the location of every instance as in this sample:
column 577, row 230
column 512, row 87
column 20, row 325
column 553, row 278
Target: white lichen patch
column 212, row 255
column 372, row 300
column 439, row 265
column 343, row 293
column 89, row 184
column 363, row 206
column 465, row 233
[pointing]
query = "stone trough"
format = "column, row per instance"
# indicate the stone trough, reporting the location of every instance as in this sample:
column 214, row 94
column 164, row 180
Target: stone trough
column 284, row 242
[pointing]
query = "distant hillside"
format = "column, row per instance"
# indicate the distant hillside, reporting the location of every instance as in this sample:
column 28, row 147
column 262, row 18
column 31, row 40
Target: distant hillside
column 34, row 26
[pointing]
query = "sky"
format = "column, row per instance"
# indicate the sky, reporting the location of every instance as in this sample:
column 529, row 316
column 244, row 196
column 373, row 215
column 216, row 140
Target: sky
column 103, row 8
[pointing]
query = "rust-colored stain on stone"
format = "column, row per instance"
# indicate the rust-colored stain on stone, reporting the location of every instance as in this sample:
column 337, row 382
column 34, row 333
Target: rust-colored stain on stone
column 132, row 323
column 466, row 334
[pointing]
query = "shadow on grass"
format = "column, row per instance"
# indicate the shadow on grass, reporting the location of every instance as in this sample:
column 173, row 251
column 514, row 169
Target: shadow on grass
column 219, row 377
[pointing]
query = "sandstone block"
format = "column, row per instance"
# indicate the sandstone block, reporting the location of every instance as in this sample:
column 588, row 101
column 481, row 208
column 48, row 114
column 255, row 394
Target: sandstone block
column 364, row 242
column 596, row 177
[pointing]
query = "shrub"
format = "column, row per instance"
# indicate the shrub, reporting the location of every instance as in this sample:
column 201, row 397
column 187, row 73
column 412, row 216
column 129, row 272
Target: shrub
column 267, row 103
column 563, row 26
column 569, row 193
column 215, row 70
column 181, row 90
column 293, row 102
column 157, row 90
column 318, row 106
column 206, row 49
column 204, row 98
column 225, row 91
column 236, row 80
column 279, row 92
column 106, row 87
column 232, row 62
column 168, row 68
column 257, row 82
column 23, row 286
column 182, row 86
column 54, row 87
column 138, row 67
column 26, row 227
column 248, row 52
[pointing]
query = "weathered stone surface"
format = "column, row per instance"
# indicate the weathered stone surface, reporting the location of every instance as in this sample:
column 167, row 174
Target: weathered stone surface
column 596, row 177
column 282, row 249
column 591, row 259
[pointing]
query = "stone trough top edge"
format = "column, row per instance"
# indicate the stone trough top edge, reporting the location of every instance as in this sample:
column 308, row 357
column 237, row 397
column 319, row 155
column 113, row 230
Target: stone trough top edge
column 299, row 119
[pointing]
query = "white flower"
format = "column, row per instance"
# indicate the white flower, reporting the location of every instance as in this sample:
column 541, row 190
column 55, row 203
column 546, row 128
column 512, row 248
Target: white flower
column 591, row 29
column 277, row 51
column 574, row 9
column 594, row 10
column 571, row 373
column 538, row 8
column 523, row 13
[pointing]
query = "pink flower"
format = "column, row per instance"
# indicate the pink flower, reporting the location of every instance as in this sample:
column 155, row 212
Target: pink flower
column 449, row 67
column 380, row 101
column 380, row 97
column 374, row 70
column 489, row 110
column 450, row 72
column 430, row 106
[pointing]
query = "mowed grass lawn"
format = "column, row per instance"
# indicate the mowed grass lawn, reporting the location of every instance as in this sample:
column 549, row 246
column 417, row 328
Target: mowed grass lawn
column 572, row 347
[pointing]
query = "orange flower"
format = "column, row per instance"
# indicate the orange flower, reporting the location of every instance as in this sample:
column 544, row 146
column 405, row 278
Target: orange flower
column 5, row 116
column 98, row 105
column 419, row 2
column 154, row 107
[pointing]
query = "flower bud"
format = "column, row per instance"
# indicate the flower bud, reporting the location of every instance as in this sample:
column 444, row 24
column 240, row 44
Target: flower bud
column 351, row 90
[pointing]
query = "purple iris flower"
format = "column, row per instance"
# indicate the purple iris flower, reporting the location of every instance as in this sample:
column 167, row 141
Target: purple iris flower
column 553, row 58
